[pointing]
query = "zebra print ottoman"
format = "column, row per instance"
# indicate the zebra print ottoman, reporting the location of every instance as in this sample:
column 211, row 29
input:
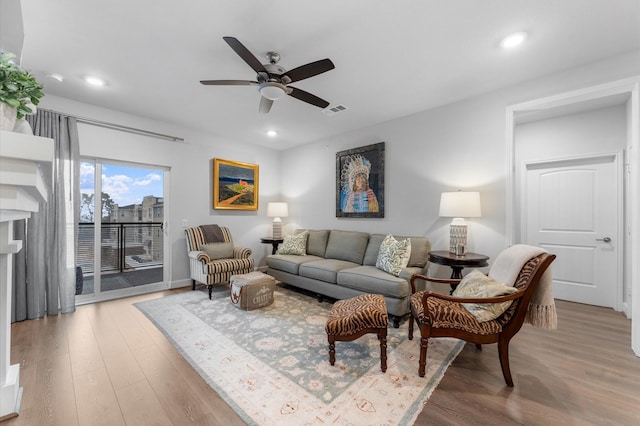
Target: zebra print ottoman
column 353, row 318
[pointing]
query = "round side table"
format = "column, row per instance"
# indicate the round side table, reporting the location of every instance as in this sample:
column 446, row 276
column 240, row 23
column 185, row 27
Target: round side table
column 275, row 242
column 458, row 263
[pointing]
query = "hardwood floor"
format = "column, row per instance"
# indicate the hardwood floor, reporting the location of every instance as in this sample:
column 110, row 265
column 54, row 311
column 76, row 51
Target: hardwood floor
column 107, row 364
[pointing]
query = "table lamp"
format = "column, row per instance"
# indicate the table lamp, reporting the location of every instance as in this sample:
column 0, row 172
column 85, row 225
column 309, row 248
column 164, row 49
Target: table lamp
column 458, row 205
column 277, row 211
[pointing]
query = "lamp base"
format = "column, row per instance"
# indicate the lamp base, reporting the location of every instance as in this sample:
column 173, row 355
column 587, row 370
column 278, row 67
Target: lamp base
column 458, row 239
column 277, row 230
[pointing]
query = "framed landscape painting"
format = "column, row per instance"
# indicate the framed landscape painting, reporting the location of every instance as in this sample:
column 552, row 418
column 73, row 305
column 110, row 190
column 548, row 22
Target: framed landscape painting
column 360, row 182
column 235, row 185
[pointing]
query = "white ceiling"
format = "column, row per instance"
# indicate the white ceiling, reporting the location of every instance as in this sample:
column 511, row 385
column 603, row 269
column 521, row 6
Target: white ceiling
column 392, row 58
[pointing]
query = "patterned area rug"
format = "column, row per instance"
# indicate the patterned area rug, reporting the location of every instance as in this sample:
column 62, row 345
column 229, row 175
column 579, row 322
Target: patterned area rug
column 271, row 365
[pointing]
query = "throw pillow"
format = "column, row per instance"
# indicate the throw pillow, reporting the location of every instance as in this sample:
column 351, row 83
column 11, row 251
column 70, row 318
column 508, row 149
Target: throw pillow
column 477, row 284
column 394, row 255
column 294, row 244
column 218, row 250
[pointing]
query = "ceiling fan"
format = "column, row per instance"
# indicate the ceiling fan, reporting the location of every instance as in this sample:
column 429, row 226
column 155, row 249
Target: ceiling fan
column 272, row 79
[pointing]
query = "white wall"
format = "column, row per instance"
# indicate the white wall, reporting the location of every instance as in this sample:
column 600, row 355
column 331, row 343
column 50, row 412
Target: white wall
column 190, row 189
column 457, row 146
column 603, row 130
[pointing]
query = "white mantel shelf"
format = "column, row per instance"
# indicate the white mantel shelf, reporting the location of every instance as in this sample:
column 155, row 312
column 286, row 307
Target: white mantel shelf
column 25, row 173
column 26, row 147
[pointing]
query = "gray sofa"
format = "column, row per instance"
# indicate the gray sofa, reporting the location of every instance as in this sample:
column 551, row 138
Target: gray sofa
column 342, row 264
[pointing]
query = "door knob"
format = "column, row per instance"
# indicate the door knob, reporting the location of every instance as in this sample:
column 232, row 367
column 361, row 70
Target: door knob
column 604, row 240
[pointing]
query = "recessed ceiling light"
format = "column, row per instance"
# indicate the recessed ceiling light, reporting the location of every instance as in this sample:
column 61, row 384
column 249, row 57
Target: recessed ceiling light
column 513, row 40
column 272, row 133
column 56, row 77
column 94, row 81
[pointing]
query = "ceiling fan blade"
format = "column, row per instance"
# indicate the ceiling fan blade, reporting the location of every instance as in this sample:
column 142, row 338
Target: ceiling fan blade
column 244, row 53
column 310, row 69
column 229, row 83
column 265, row 105
column 307, row 97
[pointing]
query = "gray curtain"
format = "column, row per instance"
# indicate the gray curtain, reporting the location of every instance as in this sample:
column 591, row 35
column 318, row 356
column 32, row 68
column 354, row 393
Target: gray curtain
column 44, row 270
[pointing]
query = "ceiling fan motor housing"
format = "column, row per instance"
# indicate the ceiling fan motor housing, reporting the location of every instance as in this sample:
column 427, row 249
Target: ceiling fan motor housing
column 275, row 73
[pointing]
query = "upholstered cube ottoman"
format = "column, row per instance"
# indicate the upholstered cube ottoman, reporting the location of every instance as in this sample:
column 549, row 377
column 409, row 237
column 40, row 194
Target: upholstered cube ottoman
column 252, row 291
column 355, row 317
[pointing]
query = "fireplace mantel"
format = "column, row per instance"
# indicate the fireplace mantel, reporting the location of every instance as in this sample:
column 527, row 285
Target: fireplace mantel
column 25, row 176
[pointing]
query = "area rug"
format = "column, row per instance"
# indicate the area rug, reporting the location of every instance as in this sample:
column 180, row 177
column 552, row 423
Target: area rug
column 271, row 365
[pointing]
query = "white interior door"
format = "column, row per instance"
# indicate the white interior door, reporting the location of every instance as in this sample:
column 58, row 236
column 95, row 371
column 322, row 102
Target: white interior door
column 572, row 209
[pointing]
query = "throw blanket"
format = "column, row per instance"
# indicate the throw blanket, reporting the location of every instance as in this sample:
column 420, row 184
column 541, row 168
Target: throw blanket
column 212, row 234
column 507, row 266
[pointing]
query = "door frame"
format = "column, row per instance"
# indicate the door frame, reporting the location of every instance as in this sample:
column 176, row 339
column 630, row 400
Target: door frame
column 616, row 159
column 630, row 88
column 84, row 299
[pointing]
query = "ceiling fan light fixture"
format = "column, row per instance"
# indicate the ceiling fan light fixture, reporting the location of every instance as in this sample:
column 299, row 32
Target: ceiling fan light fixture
column 272, row 91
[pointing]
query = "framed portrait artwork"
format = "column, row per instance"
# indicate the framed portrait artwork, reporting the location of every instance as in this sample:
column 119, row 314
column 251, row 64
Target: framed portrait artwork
column 360, row 182
column 235, row 185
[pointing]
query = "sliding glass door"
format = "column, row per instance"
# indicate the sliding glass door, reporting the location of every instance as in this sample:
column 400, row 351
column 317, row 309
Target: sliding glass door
column 121, row 231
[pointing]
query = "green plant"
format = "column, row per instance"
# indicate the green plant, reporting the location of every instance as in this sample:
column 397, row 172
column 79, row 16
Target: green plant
column 18, row 88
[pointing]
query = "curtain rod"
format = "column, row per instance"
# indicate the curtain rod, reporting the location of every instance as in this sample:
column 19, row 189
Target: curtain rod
column 119, row 127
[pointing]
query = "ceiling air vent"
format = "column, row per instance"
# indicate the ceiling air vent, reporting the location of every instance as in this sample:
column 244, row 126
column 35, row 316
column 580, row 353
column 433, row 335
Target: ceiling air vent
column 334, row 110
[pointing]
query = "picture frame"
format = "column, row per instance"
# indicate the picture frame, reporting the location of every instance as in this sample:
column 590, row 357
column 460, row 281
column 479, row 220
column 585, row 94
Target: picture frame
column 235, row 185
column 360, row 182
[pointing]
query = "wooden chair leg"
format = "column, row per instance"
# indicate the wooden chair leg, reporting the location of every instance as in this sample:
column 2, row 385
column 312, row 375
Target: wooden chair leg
column 193, row 284
column 478, row 346
column 424, row 343
column 503, row 352
column 210, row 287
column 382, row 335
column 332, row 349
column 410, row 326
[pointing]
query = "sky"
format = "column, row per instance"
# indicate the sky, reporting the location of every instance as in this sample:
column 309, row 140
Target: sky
column 125, row 185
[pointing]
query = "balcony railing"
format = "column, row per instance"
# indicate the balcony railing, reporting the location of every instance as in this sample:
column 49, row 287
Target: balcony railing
column 124, row 246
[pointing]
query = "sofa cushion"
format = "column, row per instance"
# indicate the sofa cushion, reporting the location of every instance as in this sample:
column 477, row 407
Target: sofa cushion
column 288, row 262
column 373, row 248
column 347, row 245
column 420, row 247
column 294, row 244
column 324, row 270
column 409, row 271
column 317, row 242
column 394, row 255
column 370, row 279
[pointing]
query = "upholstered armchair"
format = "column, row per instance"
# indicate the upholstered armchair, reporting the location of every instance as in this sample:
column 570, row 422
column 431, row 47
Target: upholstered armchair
column 213, row 258
column 440, row 315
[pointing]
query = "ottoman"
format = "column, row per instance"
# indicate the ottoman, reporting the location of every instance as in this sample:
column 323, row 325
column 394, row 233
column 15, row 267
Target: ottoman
column 352, row 318
column 251, row 291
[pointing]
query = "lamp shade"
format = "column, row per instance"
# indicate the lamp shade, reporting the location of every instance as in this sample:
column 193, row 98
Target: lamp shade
column 460, row 204
column 277, row 210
